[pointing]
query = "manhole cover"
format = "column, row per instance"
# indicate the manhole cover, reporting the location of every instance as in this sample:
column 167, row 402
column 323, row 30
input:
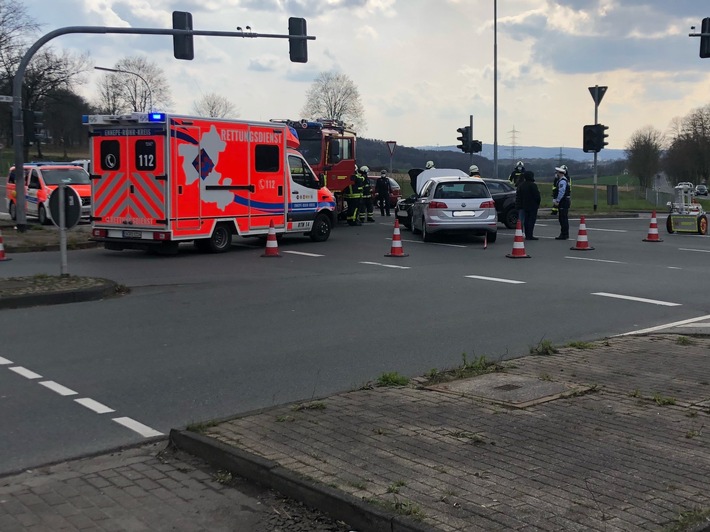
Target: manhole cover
column 518, row 391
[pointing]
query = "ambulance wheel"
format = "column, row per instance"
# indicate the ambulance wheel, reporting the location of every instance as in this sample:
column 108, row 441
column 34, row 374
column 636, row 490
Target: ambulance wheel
column 321, row 228
column 221, row 239
column 13, row 210
column 42, row 215
column 703, row 225
column 669, row 225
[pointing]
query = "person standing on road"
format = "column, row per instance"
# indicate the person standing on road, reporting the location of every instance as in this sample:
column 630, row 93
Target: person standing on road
column 517, row 175
column 555, row 183
column 429, row 165
column 367, row 207
column 353, row 196
column 563, row 202
column 473, row 171
column 527, row 201
column 383, row 187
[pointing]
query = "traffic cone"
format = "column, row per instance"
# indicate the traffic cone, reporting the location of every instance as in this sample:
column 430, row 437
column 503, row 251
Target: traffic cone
column 653, row 230
column 582, row 242
column 518, row 244
column 396, row 249
column 2, row 250
column 272, row 245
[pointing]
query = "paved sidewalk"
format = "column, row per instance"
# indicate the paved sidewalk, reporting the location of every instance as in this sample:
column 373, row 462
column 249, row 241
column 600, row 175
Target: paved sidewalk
column 611, row 436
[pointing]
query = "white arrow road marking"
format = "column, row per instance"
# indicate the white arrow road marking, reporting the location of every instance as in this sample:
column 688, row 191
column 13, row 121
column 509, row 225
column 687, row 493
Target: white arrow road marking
column 140, row 428
column 26, row 372
column 639, row 299
column 94, row 405
column 496, row 279
column 386, row 265
column 56, row 387
column 303, row 253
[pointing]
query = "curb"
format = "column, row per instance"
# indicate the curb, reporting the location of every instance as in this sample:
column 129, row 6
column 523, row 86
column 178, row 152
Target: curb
column 105, row 289
column 353, row 511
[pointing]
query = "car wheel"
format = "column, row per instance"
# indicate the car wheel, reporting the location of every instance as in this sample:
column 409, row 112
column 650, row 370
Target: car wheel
column 42, row 215
column 492, row 237
column 426, row 235
column 408, row 223
column 321, row 228
column 13, row 210
column 221, row 239
column 669, row 225
column 510, row 218
column 703, row 225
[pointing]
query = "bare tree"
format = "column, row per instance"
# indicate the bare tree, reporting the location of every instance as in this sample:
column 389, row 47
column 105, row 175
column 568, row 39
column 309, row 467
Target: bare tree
column 215, row 106
column 643, row 152
column 138, row 86
column 335, row 96
column 688, row 156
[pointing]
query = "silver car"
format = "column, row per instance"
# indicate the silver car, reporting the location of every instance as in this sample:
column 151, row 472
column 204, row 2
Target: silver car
column 454, row 203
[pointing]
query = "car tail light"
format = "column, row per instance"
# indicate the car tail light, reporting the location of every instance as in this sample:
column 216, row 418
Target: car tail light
column 161, row 236
column 437, row 205
column 100, row 233
column 488, row 205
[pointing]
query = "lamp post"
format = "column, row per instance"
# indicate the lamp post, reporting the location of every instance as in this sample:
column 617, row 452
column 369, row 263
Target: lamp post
column 495, row 89
column 150, row 94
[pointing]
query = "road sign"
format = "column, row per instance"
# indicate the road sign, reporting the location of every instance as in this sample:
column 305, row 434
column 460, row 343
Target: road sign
column 72, row 206
column 597, row 93
column 391, row 144
column 5, row 99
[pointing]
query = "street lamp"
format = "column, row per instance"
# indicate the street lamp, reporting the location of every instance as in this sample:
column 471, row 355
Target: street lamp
column 150, row 94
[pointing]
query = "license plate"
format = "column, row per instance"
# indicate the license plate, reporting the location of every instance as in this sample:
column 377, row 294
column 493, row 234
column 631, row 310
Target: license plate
column 464, row 213
column 132, row 234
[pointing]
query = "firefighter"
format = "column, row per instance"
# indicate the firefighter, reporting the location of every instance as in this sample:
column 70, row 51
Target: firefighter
column 384, row 189
column 473, row 171
column 353, row 196
column 518, row 174
column 367, row 208
column 429, row 165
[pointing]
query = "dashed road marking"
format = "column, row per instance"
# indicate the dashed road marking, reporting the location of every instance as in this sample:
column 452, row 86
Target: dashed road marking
column 97, row 407
column 28, row 374
column 56, row 387
column 303, row 253
column 596, row 260
column 639, row 299
column 4, row 361
column 495, row 279
column 386, row 265
column 140, row 428
column 695, row 250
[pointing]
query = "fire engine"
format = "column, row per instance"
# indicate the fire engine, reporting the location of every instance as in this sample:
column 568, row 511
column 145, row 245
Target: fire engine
column 330, row 148
column 160, row 179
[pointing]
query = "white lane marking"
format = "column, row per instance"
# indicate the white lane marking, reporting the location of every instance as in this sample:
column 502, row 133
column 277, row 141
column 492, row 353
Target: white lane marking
column 607, row 230
column 386, row 265
column 696, row 250
column 26, row 372
column 596, row 260
column 94, row 405
column 433, row 243
column 303, row 253
column 674, row 268
column 4, row 361
column 496, row 279
column 666, row 326
column 697, row 325
column 140, row 428
column 639, row 299
column 56, row 387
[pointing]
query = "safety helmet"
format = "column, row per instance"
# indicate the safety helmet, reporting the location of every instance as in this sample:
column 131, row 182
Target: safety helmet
column 429, row 165
column 473, row 169
column 564, row 168
column 519, row 165
column 364, row 169
column 383, row 172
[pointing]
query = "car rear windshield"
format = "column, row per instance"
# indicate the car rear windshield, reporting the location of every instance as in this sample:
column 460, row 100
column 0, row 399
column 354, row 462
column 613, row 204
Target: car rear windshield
column 458, row 190
column 70, row 176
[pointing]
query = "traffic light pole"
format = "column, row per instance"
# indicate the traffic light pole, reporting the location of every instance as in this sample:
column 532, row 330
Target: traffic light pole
column 470, row 155
column 596, row 121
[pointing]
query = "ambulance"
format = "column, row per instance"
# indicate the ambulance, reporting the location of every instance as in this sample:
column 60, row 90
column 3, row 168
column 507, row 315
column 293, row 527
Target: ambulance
column 159, row 179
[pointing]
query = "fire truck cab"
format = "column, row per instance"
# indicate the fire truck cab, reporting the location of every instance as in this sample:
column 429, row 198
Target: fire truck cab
column 160, row 179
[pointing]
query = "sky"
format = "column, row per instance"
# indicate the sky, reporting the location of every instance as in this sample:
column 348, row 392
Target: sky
column 422, row 67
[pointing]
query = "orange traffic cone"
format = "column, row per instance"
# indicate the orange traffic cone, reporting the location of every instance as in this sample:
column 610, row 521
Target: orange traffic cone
column 396, row 249
column 2, row 250
column 653, row 230
column 272, row 245
column 518, row 244
column 582, row 242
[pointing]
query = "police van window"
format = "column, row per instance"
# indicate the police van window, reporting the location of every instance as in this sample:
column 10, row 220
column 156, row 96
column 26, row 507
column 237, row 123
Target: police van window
column 301, row 173
column 266, row 158
column 110, row 155
column 145, row 154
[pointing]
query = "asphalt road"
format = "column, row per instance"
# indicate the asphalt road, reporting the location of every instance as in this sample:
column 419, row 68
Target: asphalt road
column 209, row 336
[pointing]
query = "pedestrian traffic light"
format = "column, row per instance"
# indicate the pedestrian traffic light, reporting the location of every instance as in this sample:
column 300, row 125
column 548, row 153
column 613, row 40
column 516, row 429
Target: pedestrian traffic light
column 464, row 139
column 705, row 38
column 600, row 136
column 297, row 48
column 589, row 139
column 476, row 146
column 183, row 47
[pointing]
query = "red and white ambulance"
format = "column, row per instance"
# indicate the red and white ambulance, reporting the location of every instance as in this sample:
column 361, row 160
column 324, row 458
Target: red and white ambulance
column 160, row 179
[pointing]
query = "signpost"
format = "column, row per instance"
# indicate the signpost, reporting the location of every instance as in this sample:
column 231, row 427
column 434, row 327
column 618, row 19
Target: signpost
column 65, row 208
column 597, row 93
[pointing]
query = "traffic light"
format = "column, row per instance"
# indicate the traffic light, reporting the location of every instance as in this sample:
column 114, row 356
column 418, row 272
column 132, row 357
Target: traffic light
column 464, row 139
column 705, row 41
column 297, row 48
column 600, row 136
column 183, row 47
column 589, row 139
column 38, row 126
column 476, row 146
column 28, row 124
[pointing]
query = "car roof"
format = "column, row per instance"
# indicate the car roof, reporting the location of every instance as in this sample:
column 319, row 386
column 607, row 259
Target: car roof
column 432, row 173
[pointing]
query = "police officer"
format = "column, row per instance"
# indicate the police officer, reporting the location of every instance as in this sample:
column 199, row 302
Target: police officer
column 353, row 195
column 555, row 187
column 518, row 174
column 383, row 187
column 367, row 208
column 562, row 201
column 429, row 165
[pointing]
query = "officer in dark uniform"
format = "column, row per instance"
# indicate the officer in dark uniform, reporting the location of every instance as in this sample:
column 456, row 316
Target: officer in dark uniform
column 517, row 176
column 353, row 196
column 384, row 189
column 367, row 206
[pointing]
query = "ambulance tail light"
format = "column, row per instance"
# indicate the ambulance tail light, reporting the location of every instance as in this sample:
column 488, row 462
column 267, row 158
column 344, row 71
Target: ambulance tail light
column 163, row 237
column 99, row 233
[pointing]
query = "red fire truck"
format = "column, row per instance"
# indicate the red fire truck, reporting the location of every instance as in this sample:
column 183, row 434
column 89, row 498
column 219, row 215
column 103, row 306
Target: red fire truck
column 329, row 147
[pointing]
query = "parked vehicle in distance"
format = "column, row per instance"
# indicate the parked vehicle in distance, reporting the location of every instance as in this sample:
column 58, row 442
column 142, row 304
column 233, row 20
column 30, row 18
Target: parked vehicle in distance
column 503, row 193
column 394, row 195
column 453, row 202
column 403, row 208
column 701, row 190
column 40, row 181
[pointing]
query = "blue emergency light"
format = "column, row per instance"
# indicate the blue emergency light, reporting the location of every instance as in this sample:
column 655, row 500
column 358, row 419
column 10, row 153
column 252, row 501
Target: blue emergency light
column 156, row 117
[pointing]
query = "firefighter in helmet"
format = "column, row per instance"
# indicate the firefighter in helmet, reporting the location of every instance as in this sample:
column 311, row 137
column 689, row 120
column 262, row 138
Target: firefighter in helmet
column 429, row 165
column 367, row 207
column 353, row 196
column 517, row 176
column 473, row 171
